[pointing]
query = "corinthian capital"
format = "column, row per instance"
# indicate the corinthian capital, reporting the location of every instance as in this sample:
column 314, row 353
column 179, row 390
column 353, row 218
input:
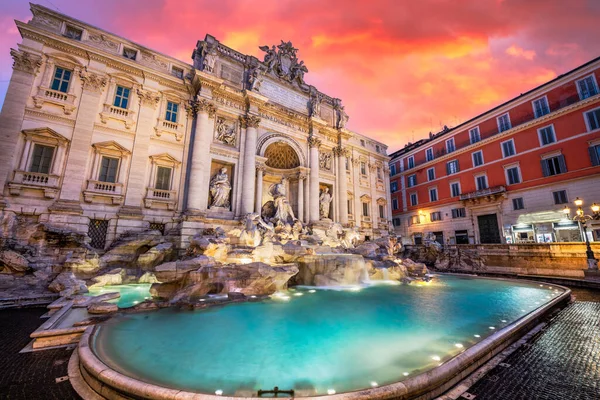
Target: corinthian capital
column 249, row 121
column 25, row 62
column 314, row 142
column 92, row 81
column 148, row 97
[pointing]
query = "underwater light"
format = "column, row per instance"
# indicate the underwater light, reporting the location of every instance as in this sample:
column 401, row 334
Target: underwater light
column 491, row 327
column 312, row 291
column 298, row 294
column 405, row 373
column 436, row 358
column 330, row 391
column 218, row 392
column 503, row 320
column 374, row 384
column 477, row 336
column 459, row 345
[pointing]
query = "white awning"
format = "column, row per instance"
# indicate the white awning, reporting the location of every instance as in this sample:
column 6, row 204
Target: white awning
column 541, row 217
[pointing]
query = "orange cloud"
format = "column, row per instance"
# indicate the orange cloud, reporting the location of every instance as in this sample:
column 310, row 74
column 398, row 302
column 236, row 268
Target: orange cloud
column 517, row 51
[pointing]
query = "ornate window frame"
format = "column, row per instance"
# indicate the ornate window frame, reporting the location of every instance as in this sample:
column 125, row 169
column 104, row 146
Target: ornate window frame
column 113, row 191
column 127, row 116
column 161, row 197
column 45, row 94
column 366, row 199
column 172, row 128
column 382, row 202
column 49, row 183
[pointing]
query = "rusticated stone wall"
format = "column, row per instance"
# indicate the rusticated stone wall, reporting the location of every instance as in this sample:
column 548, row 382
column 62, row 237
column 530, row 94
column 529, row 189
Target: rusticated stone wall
column 556, row 259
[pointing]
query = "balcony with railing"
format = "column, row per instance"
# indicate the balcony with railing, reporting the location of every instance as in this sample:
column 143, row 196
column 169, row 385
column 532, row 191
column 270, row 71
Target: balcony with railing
column 162, row 197
column 489, row 193
column 173, row 128
column 61, row 99
column 125, row 115
column 103, row 190
column 34, row 180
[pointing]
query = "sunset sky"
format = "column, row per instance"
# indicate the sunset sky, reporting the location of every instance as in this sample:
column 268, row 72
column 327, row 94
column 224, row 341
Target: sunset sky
column 402, row 68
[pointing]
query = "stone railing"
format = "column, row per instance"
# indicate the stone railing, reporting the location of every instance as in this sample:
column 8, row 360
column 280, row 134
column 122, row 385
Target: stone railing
column 173, row 128
column 34, row 180
column 114, row 191
column 124, row 115
column 47, row 95
column 159, row 196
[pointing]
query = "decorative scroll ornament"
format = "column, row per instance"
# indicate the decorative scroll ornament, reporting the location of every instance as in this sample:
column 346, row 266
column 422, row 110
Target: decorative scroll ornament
column 148, row 98
column 25, row 62
column 314, row 142
column 225, row 131
column 92, row 81
column 282, row 62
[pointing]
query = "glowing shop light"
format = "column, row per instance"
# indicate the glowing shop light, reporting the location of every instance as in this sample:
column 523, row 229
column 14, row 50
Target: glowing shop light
column 374, row 384
column 478, row 336
column 435, row 358
column 330, row 391
column 491, row 327
column 405, row 373
column 218, row 392
column 459, row 345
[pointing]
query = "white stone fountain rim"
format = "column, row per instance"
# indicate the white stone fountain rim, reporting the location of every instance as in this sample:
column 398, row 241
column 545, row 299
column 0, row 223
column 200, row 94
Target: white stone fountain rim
column 428, row 384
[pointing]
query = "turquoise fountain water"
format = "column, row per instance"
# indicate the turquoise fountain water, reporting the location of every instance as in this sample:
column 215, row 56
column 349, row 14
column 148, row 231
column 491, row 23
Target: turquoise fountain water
column 315, row 341
column 131, row 294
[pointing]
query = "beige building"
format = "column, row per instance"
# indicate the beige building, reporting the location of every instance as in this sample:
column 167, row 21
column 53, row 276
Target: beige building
column 105, row 136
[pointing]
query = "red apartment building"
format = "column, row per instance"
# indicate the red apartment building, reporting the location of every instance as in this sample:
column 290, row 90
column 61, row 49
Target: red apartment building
column 506, row 175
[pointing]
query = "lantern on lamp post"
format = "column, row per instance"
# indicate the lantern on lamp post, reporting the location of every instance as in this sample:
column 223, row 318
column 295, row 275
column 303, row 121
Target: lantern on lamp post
column 582, row 220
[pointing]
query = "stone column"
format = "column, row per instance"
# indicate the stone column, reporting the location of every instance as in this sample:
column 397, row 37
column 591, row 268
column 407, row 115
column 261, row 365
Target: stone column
column 136, row 187
column 306, row 216
column 374, row 205
column 259, row 188
column 342, row 184
column 356, row 190
column 25, row 68
column 313, row 205
column 251, row 123
column 200, row 160
column 301, row 178
column 75, row 171
column 386, row 182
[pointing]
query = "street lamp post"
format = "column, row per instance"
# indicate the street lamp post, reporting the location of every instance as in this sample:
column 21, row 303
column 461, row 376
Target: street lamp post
column 582, row 219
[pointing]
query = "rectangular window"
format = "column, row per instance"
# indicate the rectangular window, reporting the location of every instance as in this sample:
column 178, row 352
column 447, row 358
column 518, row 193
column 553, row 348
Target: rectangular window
column 513, row 176
column 593, row 119
column 587, row 87
column 436, row 216
column 412, row 180
column 503, row 122
column 508, row 148
column 129, row 53
column 393, row 169
column 121, row 97
column 41, row 160
column 518, row 204
column 396, row 221
column 73, row 33
column 365, row 209
column 172, row 109
column 474, row 135
column 430, row 174
column 477, row 158
column 394, row 186
column 429, row 154
column 363, row 168
column 178, row 72
column 546, row 135
column 163, row 178
column 349, row 206
column 481, row 182
column 560, row 197
column 452, row 167
column 381, row 211
column 540, row 107
column 395, row 204
column 108, row 169
column 595, row 154
column 433, row 194
column 411, row 162
column 450, row 145
column 415, row 220
column 455, row 189
column 554, row 165
column 459, row 212
column 61, row 79
column 413, row 199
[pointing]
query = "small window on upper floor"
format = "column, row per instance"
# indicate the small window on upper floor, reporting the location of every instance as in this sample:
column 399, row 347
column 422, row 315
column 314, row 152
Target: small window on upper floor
column 412, row 180
column 518, row 203
column 414, row 199
column 172, row 109
column 592, row 119
column 411, row 162
column 477, row 158
column 513, row 175
column 41, row 159
column 394, row 186
column 455, row 189
column 393, row 169
column 121, row 97
column 381, row 211
column 587, row 87
column 503, row 123
column 435, row 216
column 394, row 204
column 365, row 207
column 129, row 53
column 363, row 168
column 546, row 135
column 429, row 154
column 508, row 148
column 540, row 107
column 452, row 167
column 61, row 79
column 560, row 197
column 178, row 72
column 555, row 165
column 459, row 212
column 481, row 182
column 73, row 33
column 433, row 194
column 594, row 151
column 474, row 135
column 431, row 174
column 450, row 147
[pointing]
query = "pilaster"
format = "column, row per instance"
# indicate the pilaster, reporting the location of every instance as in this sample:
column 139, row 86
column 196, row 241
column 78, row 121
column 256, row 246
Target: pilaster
column 342, row 154
column 250, row 122
column 313, row 205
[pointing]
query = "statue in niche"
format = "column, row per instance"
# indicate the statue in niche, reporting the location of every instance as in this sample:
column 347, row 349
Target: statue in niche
column 220, row 189
column 324, row 202
column 325, row 161
column 315, row 103
column 283, row 209
column 225, row 132
column 210, row 59
column 255, row 78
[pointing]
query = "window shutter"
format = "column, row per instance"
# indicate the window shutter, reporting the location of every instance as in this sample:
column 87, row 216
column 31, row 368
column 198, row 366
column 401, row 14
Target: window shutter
column 447, row 168
column 545, row 169
column 562, row 164
column 594, row 156
column 457, row 166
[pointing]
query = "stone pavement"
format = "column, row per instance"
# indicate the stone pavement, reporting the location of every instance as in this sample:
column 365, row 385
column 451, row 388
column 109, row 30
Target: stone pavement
column 562, row 362
column 30, row 376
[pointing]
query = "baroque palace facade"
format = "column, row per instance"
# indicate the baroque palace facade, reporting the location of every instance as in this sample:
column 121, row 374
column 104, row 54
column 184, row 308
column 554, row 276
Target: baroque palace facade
column 506, row 175
column 103, row 135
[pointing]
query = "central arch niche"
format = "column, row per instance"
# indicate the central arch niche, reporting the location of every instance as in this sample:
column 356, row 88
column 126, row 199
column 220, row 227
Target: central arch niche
column 281, row 155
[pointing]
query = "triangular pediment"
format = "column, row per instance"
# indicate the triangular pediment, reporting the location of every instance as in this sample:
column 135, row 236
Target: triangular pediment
column 381, row 200
column 365, row 197
column 165, row 158
column 110, row 146
column 46, row 134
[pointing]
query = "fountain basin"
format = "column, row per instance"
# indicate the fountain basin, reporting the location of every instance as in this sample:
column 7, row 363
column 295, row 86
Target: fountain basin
column 355, row 353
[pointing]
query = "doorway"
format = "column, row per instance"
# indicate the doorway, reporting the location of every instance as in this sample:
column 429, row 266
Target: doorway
column 488, row 229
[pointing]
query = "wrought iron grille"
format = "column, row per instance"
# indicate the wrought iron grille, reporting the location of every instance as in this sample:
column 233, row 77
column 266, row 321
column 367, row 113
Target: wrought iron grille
column 97, row 232
column 155, row 226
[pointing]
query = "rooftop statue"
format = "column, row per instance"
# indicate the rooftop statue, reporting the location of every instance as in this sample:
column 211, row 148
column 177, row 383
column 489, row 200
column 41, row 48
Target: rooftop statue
column 283, row 62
